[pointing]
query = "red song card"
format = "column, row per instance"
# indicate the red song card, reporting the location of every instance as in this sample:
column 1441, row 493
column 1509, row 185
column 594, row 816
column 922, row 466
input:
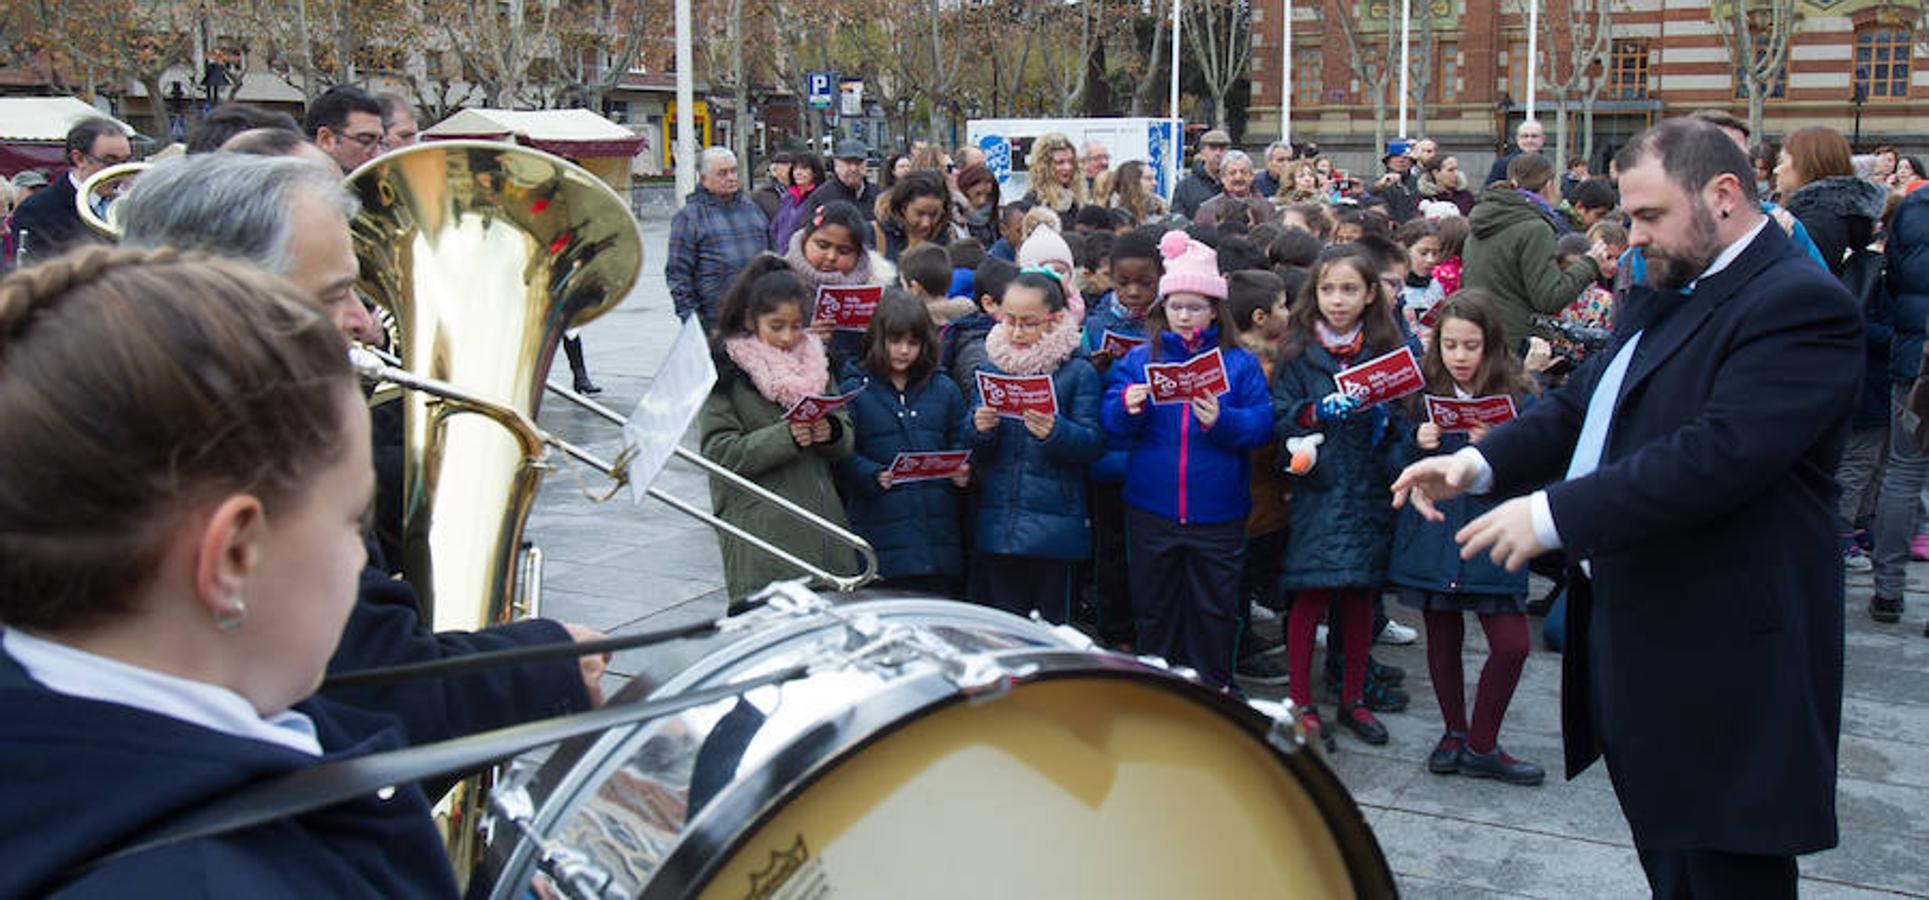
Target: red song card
column 907, row 468
column 1388, row 376
column 1118, row 344
column 1180, row 382
column 1453, row 414
column 817, row 406
column 1012, row 395
column 847, row 307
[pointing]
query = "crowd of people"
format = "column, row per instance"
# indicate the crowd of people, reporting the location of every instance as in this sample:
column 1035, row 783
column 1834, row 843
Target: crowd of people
column 1151, row 434
column 1171, row 526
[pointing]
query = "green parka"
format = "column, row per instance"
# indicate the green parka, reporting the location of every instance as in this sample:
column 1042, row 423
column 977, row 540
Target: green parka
column 747, row 434
column 1510, row 254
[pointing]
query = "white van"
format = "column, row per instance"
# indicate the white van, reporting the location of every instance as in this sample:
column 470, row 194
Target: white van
column 1007, row 145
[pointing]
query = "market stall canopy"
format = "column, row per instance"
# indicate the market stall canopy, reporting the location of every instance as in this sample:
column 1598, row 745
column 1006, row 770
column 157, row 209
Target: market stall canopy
column 578, row 135
column 33, row 131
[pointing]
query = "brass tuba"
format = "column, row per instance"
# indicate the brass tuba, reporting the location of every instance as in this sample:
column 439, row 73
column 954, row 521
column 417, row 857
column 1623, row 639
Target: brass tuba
column 484, row 253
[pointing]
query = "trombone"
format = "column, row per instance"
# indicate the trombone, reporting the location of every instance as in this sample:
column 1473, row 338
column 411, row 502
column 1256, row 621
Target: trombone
column 377, row 366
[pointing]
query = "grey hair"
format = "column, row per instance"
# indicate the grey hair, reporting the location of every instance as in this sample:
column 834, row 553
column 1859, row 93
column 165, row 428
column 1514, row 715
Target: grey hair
column 228, row 204
column 1279, row 145
column 711, row 155
column 1236, row 156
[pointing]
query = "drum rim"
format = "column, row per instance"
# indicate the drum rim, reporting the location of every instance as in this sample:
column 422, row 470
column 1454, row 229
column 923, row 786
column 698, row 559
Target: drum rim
column 562, row 777
column 746, row 805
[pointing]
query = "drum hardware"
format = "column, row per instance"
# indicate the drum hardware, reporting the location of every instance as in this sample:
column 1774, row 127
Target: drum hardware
column 571, row 873
column 863, row 778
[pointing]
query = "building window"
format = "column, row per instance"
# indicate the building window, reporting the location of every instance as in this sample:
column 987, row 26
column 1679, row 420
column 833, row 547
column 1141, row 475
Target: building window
column 1446, row 72
column 1628, row 71
column 1306, row 76
column 1882, row 62
column 1364, row 89
column 1515, row 85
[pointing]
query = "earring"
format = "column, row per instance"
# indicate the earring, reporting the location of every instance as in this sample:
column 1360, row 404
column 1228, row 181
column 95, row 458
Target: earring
column 230, row 619
column 1724, row 214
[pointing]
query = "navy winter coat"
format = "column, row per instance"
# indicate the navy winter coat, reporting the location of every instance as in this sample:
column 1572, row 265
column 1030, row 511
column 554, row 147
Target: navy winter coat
column 1108, row 314
column 914, row 527
column 1033, row 500
column 1425, row 555
column 963, row 348
column 1908, row 251
column 1342, row 511
column 1177, row 469
column 83, row 775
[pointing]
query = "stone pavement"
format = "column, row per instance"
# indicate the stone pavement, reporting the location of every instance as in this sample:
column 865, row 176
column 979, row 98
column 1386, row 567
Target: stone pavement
column 625, row 568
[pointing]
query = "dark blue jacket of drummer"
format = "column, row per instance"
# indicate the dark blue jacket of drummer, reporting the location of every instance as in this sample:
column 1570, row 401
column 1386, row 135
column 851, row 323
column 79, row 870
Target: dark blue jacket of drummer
column 81, row 776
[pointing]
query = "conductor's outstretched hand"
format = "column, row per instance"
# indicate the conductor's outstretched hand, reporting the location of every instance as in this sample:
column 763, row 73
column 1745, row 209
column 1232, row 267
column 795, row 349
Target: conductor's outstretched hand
column 1435, row 479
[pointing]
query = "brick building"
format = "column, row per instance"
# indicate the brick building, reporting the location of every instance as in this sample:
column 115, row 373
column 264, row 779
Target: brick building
column 1665, row 57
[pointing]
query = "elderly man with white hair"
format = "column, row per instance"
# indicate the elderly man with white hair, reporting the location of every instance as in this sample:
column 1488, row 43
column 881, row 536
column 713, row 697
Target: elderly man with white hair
column 1236, row 200
column 716, row 233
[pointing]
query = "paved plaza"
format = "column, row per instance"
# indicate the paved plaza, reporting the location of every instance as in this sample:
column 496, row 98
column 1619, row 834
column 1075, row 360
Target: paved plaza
column 625, row 568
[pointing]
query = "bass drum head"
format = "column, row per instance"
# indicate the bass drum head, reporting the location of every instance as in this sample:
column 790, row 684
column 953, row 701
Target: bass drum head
column 1092, row 784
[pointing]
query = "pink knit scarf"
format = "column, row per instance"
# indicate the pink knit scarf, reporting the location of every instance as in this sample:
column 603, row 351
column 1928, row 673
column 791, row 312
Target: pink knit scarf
column 1043, row 357
column 782, row 376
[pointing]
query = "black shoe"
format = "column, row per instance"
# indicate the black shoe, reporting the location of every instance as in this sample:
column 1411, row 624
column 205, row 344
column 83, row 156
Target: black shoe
column 1498, row 765
column 1445, row 758
column 587, row 388
column 1390, row 674
column 1309, row 722
column 1378, row 695
column 1260, row 669
column 1361, row 722
column 1887, row 610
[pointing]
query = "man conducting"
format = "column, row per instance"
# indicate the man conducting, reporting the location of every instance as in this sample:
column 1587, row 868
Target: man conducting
column 1707, row 672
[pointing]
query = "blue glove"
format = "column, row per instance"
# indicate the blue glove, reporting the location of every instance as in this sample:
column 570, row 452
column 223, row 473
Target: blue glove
column 1335, row 407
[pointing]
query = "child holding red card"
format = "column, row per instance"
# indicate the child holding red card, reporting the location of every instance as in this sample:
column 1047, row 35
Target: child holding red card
column 1342, row 512
column 1186, row 492
column 767, row 360
column 828, row 250
column 1032, row 523
column 1466, row 357
column 1136, row 268
column 905, row 407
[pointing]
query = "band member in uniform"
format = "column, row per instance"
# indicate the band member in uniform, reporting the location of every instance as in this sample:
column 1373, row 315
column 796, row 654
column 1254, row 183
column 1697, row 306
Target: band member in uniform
column 184, row 479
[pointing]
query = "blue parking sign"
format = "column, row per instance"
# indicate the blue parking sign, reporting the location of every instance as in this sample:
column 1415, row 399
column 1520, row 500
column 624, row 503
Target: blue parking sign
column 820, row 90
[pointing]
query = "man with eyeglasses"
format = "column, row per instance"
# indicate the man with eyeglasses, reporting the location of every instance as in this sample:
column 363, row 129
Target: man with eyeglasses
column 346, row 123
column 47, row 223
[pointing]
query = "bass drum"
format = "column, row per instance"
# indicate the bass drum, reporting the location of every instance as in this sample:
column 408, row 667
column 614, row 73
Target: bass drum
column 978, row 754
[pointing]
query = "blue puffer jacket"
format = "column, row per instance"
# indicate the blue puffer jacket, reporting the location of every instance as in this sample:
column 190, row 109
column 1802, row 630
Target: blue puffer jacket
column 1425, row 555
column 1107, row 313
column 914, row 527
column 1033, row 501
column 1177, row 469
column 1342, row 513
column 1908, row 250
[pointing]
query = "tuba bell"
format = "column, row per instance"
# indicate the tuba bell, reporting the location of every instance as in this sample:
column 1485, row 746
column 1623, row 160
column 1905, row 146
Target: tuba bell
column 484, row 253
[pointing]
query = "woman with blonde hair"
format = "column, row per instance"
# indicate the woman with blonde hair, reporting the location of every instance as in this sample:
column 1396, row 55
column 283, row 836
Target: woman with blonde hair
column 1303, row 183
column 1055, row 184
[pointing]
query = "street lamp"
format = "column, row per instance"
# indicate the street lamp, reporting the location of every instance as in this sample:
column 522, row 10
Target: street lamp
column 1859, row 97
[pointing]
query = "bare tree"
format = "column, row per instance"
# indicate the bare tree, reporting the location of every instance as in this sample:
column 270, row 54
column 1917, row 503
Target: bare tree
column 507, row 47
column 1146, row 97
column 1372, row 64
column 1757, row 33
column 1575, row 37
column 1067, row 63
column 1220, row 35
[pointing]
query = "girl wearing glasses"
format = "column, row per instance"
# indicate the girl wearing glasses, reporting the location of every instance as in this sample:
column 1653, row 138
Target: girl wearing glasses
column 1186, row 492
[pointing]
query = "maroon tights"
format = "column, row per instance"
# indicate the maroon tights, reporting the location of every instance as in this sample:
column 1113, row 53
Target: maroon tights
column 1356, row 619
column 1506, row 654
